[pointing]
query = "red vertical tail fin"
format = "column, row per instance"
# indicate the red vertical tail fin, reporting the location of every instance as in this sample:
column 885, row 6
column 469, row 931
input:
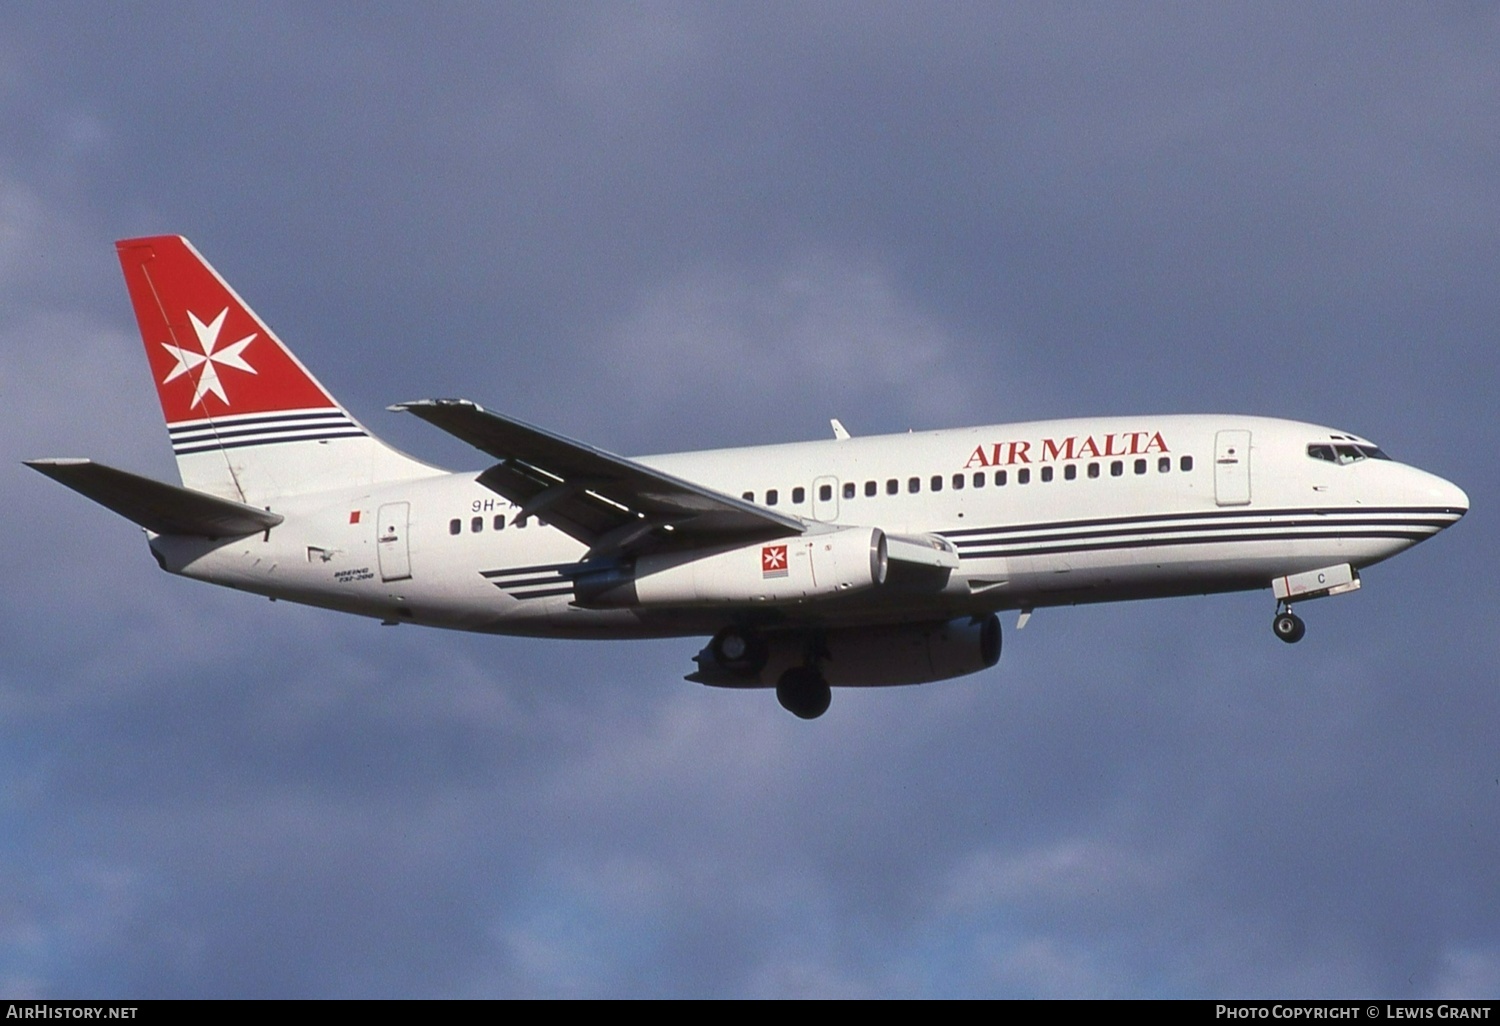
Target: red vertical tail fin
column 247, row 420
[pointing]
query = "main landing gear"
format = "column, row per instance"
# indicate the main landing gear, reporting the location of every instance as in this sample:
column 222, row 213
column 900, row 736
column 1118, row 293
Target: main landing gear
column 1288, row 626
column 803, row 692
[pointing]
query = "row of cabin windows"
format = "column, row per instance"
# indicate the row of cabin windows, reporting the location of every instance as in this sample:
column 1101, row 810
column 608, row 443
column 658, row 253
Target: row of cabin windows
column 476, row 524
column 913, row 485
column 977, row 480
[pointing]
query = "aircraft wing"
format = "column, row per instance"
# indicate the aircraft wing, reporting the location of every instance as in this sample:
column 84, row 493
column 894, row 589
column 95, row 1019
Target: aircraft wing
column 158, row 507
column 611, row 504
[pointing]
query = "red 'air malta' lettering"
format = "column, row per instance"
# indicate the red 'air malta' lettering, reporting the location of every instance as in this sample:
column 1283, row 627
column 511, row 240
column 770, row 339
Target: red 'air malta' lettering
column 1123, row 443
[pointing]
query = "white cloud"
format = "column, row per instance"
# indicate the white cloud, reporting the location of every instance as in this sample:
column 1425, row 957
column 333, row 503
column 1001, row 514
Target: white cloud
column 1045, row 967
column 1468, row 973
column 1069, row 872
column 816, row 335
column 621, row 58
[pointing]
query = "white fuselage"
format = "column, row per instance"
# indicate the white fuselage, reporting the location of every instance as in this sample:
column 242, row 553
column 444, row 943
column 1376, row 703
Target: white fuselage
column 1042, row 513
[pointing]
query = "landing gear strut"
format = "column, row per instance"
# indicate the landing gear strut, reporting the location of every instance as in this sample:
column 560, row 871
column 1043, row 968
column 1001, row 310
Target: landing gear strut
column 803, row 692
column 1288, row 626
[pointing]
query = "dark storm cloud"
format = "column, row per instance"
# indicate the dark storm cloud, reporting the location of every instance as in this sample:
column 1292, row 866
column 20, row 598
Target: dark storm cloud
column 677, row 225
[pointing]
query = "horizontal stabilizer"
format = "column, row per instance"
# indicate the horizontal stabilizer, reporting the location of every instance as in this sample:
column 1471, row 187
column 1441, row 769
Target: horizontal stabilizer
column 158, row 507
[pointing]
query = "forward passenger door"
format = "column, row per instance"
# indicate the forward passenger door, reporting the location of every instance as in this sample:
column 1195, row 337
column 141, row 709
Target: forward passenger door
column 1232, row 468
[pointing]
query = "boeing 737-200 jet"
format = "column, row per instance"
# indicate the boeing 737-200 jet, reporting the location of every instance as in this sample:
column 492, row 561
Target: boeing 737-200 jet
column 855, row 561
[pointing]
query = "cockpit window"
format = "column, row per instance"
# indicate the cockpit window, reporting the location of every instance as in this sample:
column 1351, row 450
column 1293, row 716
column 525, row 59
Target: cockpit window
column 1344, row 454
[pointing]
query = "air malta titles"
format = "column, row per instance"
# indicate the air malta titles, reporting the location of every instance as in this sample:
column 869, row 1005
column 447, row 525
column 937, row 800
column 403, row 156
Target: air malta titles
column 1051, row 450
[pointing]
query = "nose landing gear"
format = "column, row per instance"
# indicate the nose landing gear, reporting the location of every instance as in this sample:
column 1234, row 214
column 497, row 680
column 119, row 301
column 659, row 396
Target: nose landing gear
column 1288, row 626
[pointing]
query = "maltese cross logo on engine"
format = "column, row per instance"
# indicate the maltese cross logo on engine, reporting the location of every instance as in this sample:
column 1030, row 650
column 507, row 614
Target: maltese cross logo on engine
column 773, row 561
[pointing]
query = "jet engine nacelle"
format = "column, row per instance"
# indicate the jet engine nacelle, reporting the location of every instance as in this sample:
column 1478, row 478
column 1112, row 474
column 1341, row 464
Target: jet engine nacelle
column 809, row 568
column 869, row 656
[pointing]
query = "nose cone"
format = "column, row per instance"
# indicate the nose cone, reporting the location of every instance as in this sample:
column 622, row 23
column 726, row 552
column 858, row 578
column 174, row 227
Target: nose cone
column 1445, row 495
column 1452, row 496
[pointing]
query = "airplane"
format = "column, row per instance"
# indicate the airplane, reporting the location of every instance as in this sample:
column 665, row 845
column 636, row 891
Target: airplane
column 850, row 561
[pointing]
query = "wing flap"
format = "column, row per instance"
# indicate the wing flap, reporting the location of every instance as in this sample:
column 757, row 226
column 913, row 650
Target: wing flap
column 608, row 502
column 158, row 507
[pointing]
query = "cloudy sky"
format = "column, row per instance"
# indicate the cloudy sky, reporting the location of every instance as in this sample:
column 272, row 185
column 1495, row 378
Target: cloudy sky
column 663, row 226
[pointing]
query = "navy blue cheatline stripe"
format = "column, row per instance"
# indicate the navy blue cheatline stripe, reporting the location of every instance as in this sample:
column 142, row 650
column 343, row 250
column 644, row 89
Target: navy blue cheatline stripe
column 520, row 596
column 1168, row 542
column 568, row 570
column 254, row 418
column 1208, row 527
column 534, row 582
column 514, row 571
column 524, row 582
column 261, row 429
column 1220, row 514
column 270, row 439
column 233, row 433
column 219, row 429
column 1290, row 526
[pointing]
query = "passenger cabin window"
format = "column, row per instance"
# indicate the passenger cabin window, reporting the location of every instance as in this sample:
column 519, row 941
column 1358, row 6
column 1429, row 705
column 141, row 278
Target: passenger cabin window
column 1070, row 471
column 958, row 480
column 1093, row 470
column 1140, row 466
column 978, row 479
column 848, row 489
column 476, row 525
column 1046, row 473
column 499, row 521
column 771, row 496
column 1185, row 464
column 937, row 482
column 892, row 486
column 825, row 492
column 748, row 496
column 1023, row 476
column 999, row 477
column 914, row 485
column 455, row 526
column 870, row 488
column 799, row 496
column 1116, row 468
column 1164, row 464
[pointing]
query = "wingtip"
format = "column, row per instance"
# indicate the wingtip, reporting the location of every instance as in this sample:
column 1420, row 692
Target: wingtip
column 419, row 404
column 55, row 461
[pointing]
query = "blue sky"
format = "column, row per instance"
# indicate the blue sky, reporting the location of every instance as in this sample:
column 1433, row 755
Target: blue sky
column 671, row 226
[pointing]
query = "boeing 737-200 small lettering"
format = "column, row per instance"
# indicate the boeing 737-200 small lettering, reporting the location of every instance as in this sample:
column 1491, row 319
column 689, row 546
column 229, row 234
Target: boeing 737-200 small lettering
column 855, row 561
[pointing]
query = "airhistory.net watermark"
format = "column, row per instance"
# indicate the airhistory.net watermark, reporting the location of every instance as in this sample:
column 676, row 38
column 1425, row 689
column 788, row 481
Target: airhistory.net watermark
column 47, row 1010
